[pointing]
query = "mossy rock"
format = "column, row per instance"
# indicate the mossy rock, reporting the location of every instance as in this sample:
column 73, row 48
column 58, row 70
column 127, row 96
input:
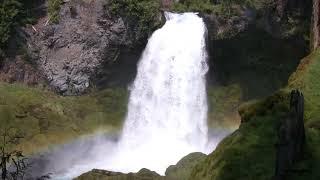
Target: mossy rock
column 183, row 168
column 143, row 174
column 249, row 152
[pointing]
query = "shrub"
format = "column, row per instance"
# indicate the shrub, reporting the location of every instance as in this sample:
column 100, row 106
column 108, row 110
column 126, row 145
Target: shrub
column 9, row 11
column 54, row 9
column 142, row 15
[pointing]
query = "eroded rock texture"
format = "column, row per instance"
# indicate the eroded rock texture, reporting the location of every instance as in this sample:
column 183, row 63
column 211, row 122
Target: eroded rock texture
column 69, row 53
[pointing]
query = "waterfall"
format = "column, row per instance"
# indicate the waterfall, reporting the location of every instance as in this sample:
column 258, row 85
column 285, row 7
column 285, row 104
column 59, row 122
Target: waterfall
column 167, row 110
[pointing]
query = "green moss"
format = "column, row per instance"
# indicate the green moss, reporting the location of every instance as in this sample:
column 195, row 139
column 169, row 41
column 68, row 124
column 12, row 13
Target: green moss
column 184, row 167
column 249, row 152
column 306, row 78
column 44, row 118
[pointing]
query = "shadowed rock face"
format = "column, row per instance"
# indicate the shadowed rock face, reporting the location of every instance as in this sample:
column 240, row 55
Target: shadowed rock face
column 291, row 136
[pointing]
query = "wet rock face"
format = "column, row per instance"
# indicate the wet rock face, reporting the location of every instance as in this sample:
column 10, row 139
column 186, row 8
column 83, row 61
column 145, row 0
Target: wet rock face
column 291, row 136
column 70, row 52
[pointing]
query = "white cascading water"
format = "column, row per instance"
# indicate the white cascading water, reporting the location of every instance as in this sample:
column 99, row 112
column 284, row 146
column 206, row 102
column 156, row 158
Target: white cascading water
column 167, row 110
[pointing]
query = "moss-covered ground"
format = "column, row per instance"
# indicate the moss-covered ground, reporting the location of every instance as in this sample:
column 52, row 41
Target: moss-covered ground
column 249, row 153
column 44, row 119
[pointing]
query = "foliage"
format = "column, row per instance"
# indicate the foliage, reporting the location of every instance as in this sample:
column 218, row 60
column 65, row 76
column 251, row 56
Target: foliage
column 13, row 13
column 54, row 9
column 45, row 119
column 9, row 12
column 205, row 6
column 142, row 15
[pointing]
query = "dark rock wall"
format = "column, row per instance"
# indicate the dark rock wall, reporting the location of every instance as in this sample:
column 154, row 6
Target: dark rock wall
column 257, row 61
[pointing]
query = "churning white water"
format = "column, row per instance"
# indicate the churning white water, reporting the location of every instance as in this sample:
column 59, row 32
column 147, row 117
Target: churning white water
column 167, row 110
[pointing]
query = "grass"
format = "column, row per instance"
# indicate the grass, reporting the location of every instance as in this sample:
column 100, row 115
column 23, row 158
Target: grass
column 45, row 119
column 54, row 9
column 249, row 152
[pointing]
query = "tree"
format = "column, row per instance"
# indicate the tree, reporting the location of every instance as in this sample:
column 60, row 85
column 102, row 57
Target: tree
column 12, row 156
column 9, row 11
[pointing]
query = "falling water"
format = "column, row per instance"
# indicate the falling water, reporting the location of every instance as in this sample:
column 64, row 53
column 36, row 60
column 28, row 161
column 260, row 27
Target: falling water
column 167, row 110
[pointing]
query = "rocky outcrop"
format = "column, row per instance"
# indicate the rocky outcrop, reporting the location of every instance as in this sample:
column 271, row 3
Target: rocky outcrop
column 180, row 171
column 291, row 135
column 70, row 52
column 183, row 169
column 143, row 174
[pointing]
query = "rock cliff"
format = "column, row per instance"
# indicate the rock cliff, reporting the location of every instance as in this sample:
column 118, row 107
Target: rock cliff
column 98, row 41
column 70, row 52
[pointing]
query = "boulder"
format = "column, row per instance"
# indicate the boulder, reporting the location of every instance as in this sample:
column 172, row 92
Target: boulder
column 182, row 170
column 143, row 174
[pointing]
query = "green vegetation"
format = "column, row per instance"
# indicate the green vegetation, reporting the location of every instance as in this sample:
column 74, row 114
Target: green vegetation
column 142, row 15
column 249, row 152
column 184, row 167
column 43, row 118
column 9, row 13
column 53, row 10
column 306, row 79
column 14, row 13
column 205, row 6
